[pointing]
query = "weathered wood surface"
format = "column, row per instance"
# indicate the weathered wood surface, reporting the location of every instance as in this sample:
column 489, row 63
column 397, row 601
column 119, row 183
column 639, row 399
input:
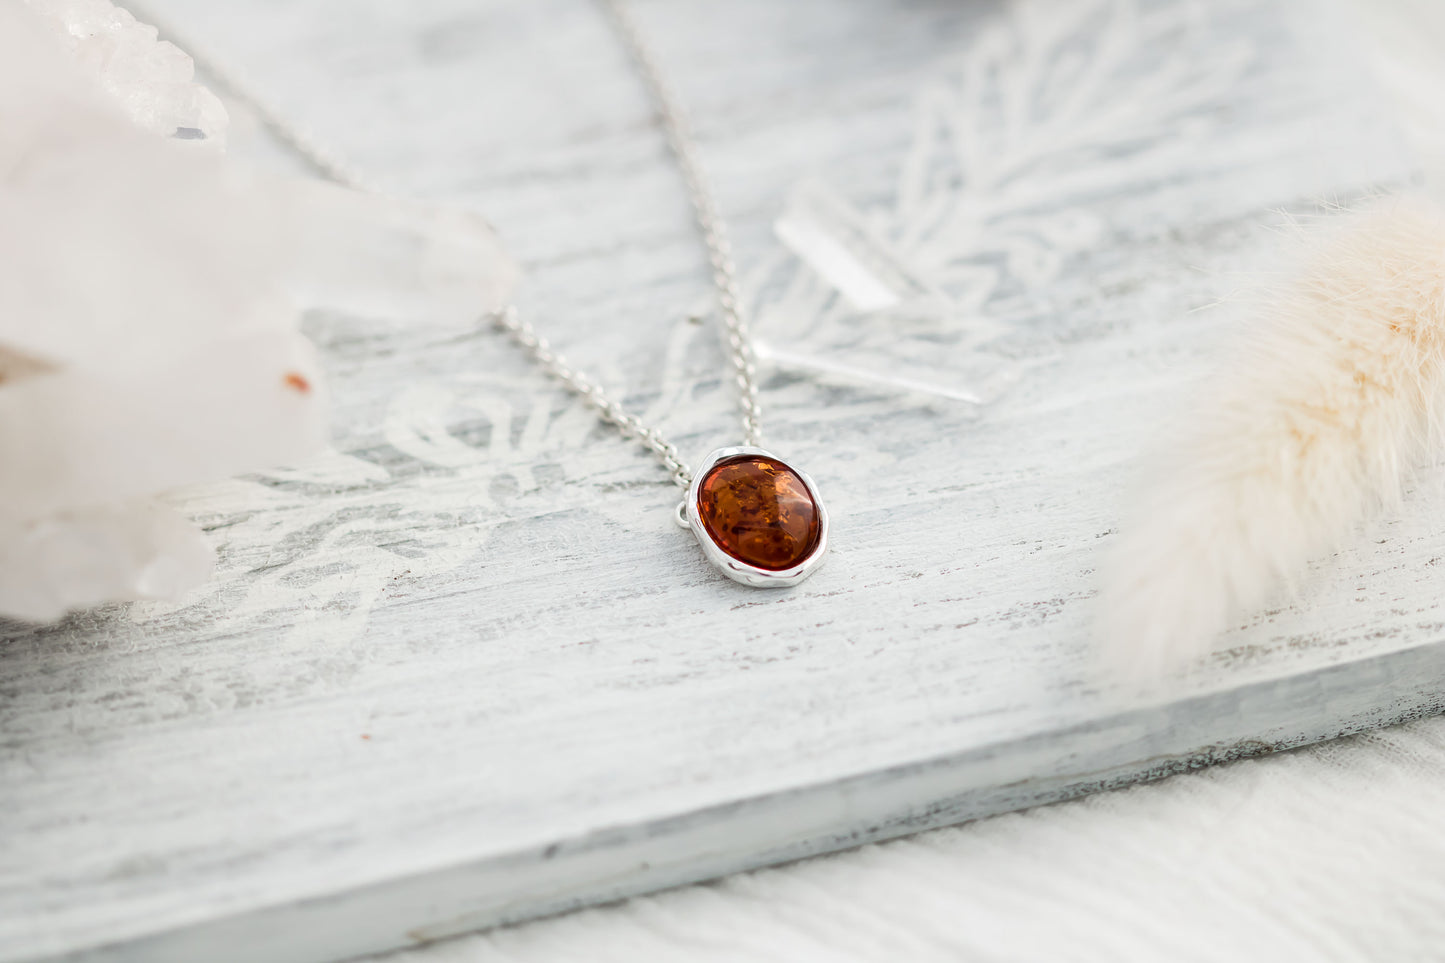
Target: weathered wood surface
column 468, row 670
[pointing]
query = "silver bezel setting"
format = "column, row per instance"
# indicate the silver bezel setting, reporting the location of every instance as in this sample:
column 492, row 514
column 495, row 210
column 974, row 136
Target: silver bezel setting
column 740, row 571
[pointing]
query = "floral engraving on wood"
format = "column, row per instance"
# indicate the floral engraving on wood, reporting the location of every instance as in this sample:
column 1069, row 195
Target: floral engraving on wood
column 1019, row 144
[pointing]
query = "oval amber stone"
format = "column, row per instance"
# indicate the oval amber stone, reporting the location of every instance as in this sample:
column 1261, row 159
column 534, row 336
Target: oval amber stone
column 759, row 511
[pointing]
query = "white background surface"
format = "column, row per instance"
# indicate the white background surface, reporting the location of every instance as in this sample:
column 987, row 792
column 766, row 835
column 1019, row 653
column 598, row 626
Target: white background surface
column 1331, row 853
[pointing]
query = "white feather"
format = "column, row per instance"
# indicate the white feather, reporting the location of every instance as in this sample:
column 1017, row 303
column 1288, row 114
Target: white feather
column 1313, row 426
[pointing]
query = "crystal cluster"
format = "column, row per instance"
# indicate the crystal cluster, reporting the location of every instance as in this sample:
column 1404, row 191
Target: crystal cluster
column 149, row 299
column 152, row 80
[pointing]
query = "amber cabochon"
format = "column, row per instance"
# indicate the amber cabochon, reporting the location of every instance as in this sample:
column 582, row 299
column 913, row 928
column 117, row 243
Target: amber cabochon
column 759, row 511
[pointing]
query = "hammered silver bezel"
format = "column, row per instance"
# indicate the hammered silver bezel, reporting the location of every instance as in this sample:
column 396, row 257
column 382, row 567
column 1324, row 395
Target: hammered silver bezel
column 740, row 571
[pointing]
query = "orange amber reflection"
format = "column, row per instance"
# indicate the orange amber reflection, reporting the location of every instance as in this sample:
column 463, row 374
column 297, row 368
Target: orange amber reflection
column 759, row 512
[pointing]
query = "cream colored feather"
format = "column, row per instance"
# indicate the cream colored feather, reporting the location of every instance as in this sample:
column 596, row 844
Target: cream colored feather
column 1312, row 427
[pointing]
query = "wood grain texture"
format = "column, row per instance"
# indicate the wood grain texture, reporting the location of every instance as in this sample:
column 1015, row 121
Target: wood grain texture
column 467, row 670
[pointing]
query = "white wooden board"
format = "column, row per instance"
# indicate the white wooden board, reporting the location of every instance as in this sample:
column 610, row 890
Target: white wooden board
column 468, row 671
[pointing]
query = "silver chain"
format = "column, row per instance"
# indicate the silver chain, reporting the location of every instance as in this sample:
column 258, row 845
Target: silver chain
column 709, row 222
column 607, row 407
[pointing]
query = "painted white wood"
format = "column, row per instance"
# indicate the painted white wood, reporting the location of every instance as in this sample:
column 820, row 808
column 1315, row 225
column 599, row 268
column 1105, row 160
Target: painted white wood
column 468, row 670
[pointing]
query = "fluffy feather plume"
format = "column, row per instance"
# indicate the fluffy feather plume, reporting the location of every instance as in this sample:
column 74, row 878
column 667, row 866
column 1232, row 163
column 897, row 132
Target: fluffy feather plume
column 1314, row 426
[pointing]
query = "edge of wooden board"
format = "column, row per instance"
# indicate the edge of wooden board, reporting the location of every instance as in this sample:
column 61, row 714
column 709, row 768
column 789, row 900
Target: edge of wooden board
column 1133, row 746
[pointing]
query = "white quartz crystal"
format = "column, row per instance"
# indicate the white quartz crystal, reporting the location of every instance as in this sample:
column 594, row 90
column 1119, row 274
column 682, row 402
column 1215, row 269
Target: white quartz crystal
column 149, row 297
column 153, row 80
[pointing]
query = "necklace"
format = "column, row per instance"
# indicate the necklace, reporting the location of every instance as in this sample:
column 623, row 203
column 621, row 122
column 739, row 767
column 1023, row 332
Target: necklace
column 758, row 519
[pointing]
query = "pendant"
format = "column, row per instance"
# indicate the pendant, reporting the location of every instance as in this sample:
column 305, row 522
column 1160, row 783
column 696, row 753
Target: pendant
column 759, row 520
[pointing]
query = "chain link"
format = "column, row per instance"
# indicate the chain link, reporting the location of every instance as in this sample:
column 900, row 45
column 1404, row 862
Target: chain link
column 736, row 336
column 709, row 221
column 607, row 408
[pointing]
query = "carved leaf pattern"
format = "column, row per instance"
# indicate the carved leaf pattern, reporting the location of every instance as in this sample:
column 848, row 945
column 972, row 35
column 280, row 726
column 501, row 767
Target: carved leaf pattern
column 1018, row 145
